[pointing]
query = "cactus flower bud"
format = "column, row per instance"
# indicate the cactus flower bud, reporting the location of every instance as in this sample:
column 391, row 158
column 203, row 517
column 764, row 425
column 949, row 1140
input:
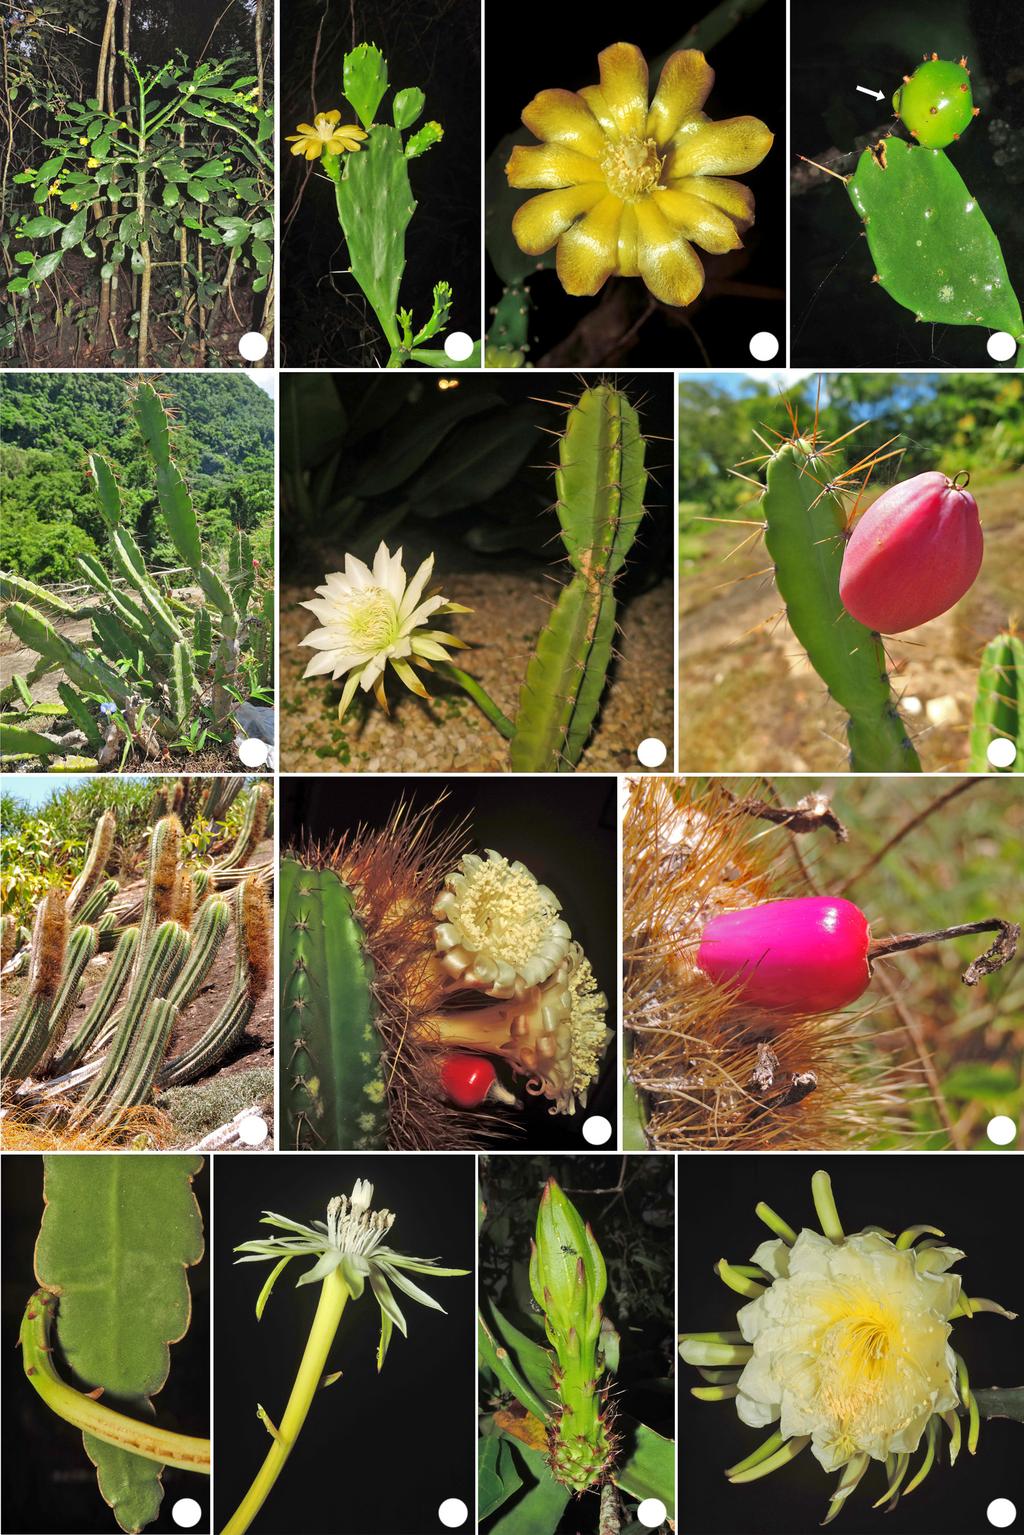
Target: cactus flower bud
column 912, row 555
column 809, row 953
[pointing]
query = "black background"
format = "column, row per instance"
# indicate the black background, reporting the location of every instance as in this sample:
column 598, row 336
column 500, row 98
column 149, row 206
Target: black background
column 970, row 1200
column 436, row 45
column 49, row 1483
column 840, row 318
column 377, row 1452
column 535, row 45
column 564, row 831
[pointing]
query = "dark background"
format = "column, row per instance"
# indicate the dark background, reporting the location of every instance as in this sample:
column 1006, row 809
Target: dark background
column 750, row 69
column 839, row 317
column 963, row 1198
column 563, row 830
column 49, row 1483
column 378, row 1452
column 325, row 319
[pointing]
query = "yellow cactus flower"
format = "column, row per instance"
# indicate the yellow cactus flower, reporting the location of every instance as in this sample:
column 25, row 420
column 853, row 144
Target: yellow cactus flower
column 630, row 188
column 55, row 189
column 324, row 136
column 91, row 164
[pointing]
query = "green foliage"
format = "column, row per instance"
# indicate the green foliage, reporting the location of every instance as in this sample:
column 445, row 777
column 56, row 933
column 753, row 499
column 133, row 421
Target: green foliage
column 197, row 1110
column 108, row 1221
column 375, row 205
column 934, row 250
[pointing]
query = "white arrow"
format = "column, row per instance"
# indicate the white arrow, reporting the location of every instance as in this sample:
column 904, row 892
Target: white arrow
column 877, row 94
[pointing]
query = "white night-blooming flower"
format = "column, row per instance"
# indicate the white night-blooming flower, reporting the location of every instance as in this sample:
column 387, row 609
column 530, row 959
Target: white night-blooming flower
column 374, row 618
column 844, row 1346
column 499, row 930
column 850, row 1347
column 351, row 1240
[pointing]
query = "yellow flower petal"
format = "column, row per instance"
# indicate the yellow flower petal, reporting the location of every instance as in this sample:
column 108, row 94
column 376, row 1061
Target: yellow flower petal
column 699, row 221
column 538, row 166
column 718, row 149
column 563, row 117
column 668, row 263
column 542, row 220
column 731, row 196
column 627, row 243
column 685, row 85
column 308, row 130
column 313, row 149
column 331, row 117
column 588, row 252
column 624, row 88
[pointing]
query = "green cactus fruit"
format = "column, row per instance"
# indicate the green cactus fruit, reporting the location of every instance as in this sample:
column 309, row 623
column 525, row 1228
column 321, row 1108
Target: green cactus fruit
column 999, row 706
column 332, row 1084
column 600, row 485
column 933, row 248
column 805, row 523
column 568, row 1281
column 935, row 103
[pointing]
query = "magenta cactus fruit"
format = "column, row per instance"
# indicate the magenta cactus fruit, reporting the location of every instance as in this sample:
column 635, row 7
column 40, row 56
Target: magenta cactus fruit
column 808, row 954
column 913, row 554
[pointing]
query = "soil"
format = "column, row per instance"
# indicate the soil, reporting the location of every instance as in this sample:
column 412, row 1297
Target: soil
column 449, row 733
column 256, row 1048
column 750, row 701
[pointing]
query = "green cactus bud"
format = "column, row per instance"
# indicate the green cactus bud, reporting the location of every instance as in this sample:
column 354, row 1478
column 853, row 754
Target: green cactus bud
column 423, row 139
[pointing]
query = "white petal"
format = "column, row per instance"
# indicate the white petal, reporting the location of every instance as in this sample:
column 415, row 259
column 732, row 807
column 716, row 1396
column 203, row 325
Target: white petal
column 415, row 588
column 358, row 574
column 420, row 615
column 319, row 665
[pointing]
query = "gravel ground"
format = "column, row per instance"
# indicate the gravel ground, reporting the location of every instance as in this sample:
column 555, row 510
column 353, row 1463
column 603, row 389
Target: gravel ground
column 449, row 733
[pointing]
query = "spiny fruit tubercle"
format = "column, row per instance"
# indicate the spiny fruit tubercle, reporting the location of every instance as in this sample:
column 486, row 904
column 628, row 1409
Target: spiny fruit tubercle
column 913, row 554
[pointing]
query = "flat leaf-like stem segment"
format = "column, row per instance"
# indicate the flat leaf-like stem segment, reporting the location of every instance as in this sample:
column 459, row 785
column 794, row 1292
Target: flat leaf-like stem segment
column 804, row 528
column 933, row 248
column 117, row 1236
column 90, row 1415
column 332, row 1083
column 375, row 204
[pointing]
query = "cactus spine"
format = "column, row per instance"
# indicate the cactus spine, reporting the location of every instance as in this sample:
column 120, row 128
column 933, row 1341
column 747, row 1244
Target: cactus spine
column 999, row 706
column 168, row 646
column 568, row 1280
column 600, row 483
column 332, row 1081
column 804, row 528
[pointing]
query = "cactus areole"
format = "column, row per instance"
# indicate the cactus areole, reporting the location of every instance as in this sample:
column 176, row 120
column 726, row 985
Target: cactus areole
column 913, row 554
column 808, row 954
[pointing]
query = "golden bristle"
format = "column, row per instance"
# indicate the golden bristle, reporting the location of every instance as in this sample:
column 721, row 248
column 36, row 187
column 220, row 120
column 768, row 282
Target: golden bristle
column 254, row 934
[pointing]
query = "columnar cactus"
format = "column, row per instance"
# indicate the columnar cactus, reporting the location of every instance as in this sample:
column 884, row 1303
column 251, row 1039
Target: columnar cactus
column 999, row 706
column 160, row 962
column 568, row 1280
column 153, row 656
column 600, row 483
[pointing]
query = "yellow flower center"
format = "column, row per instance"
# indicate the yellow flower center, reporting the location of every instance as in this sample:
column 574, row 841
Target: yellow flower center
column 325, row 129
column 371, row 617
column 631, row 168
column 857, row 1354
column 500, row 912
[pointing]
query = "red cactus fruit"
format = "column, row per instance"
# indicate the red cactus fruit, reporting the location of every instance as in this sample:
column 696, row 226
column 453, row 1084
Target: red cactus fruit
column 912, row 555
column 468, row 1080
column 808, row 954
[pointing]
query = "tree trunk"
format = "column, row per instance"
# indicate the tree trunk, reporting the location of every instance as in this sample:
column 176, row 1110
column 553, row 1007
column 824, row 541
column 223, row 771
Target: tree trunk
column 106, row 48
column 258, row 27
column 147, row 272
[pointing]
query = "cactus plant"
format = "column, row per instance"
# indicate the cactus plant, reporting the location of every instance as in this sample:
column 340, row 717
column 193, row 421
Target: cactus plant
column 568, row 1281
column 396, row 957
column 149, row 654
column 161, row 961
column 999, row 706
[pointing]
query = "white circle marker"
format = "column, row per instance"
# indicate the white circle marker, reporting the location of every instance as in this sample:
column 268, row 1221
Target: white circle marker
column 253, row 1130
column 764, row 346
column 453, row 1513
column 597, row 1130
column 652, row 1512
column 186, row 1513
column 1001, row 753
column 651, row 752
column 458, row 345
column 252, row 752
column 253, row 346
column 1001, row 1512
column 1001, row 1130
column 1001, row 346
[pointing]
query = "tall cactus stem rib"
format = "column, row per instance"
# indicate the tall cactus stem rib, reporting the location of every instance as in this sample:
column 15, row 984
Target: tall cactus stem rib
column 999, row 706
column 28, row 1035
column 103, row 1005
column 96, row 860
column 82, row 947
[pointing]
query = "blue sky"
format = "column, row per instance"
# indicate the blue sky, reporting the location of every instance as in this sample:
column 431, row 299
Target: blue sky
column 36, row 789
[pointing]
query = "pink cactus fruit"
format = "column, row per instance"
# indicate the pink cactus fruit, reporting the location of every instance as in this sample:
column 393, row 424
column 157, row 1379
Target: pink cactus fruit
column 808, row 954
column 912, row 555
